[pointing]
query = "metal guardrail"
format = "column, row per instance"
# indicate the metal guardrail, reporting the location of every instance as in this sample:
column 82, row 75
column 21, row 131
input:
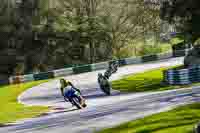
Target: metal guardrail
column 83, row 69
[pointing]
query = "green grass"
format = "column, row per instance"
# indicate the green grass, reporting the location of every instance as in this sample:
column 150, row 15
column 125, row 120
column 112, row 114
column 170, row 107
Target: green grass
column 166, row 47
column 138, row 48
column 11, row 110
column 176, row 40
column 179, row 120
column 147, row 81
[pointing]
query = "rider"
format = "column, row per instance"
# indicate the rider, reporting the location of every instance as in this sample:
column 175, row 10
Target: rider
column 102, row 79
column 68, row 90
column 104, row 83
column 113, row 66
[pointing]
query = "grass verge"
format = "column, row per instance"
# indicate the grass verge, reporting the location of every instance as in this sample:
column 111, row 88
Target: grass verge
column 11, row 110
column 179, row 120
column 147, row 81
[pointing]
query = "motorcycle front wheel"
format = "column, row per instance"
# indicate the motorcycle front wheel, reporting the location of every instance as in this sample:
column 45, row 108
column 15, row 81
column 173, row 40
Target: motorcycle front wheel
column 76, row 102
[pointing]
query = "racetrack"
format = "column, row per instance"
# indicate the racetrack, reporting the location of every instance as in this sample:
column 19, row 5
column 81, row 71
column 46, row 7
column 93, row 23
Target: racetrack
column 102, row 111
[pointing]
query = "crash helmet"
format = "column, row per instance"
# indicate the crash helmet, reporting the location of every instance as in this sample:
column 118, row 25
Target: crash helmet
column 64, row 83
column 100, row 75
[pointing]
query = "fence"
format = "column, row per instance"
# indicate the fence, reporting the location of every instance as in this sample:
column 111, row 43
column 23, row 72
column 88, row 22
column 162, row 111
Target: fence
column 83, row 69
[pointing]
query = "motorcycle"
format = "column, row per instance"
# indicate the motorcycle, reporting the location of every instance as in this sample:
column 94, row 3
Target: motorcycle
column 104, row 84
column 113, row 67
column 103, row 80
column 75, row 100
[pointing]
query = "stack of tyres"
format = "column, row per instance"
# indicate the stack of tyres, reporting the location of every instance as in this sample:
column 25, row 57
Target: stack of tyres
column 194, row 74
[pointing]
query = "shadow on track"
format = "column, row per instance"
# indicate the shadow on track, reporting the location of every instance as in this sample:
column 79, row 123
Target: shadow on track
column 65, row 110
column 100, row 95
column 94, row 96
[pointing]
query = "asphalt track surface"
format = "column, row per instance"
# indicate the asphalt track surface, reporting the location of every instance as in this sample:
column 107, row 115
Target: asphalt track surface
column 102, row 111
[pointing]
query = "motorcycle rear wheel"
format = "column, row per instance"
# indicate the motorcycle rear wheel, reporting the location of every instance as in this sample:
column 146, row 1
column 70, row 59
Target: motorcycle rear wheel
column 106, row 89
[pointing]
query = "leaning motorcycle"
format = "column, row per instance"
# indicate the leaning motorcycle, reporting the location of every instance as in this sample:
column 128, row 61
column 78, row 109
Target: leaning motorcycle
column 113, row 66
column 75, row 100
column 104, row 84
column 103, row 80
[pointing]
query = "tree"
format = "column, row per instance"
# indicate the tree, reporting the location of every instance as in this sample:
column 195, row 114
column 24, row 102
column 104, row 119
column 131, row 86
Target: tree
column 49, row 28
column 81, row 16
column 184, row 15
column 128, row 20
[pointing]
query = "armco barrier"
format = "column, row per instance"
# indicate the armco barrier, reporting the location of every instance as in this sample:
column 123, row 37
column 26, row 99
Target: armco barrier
column 182, row 76
column 133, row 60
column 63, row 72
column 99, row 66
column 149, row 58
column 85, row 68
column 21, row 79
column 82, row 69
column 14, row 80
column 122, row 62
column 164, row 56
column 27, row 78
column 179, row 53
column 42, row 76
column 4, row 82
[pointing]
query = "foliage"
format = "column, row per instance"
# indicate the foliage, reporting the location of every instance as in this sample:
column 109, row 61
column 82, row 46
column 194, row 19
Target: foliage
column 176, row 40
column 150, row 49
column 49, row 32
column 131, row 19
column 184, row 15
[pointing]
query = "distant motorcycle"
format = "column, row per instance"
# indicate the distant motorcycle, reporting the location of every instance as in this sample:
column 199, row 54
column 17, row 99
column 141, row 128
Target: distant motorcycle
column 103, row 80
column 104, row 84
column 113, row 66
